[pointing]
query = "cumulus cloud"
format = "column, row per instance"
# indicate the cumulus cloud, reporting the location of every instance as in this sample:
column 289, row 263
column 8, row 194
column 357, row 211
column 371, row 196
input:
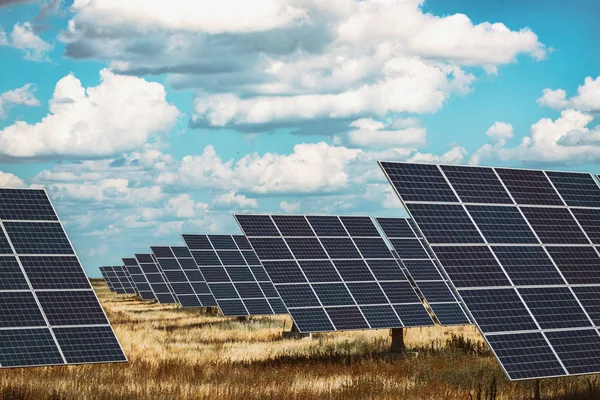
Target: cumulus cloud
column 120, row 114
column 25, row 39
column 311, row 167
column 290, row 207
column 571, row 138
column 21, row 96
column 566, row 139
column 369, row 133
column 276, row 63
column 500, row 132
column 233, row 200
column 407, row 85
column 586, row 99
column 10, row 180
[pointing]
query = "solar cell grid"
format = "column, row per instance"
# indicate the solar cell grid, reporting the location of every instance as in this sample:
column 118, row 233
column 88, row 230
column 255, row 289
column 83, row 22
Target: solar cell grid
column 536, row 301
column 476, row 185
column 421, row 268
column 576, row 189
column 114, row 279
column 140, row 282
column 156, row 281
column 108, row 282
column 189, row 289
column 235, row 276
column 43, row 286
column 323, row 273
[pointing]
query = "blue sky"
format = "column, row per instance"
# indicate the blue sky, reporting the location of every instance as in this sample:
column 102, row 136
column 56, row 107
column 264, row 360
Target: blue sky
column 144, row 120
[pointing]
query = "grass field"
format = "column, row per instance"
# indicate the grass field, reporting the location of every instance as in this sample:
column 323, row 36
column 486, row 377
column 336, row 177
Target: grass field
column 183, row 354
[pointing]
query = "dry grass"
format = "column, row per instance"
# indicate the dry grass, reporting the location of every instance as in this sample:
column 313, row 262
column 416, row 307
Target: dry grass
column 183, row 354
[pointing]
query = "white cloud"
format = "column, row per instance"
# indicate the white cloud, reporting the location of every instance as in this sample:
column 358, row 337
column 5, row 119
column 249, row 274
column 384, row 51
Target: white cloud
column 24, row 38
column 233, row 200
column 586, row 99
column 500, row 132
column 21, row 96
column 274, row 63
column 311, row 167
column 180, row 15
column 556, row 99
column 567, row 139
column 118, row 115
column 369, row 133
column 406, row 85
column 183, row 206
column 10, row 180
column 571, row 138
column 116, row 191
column 291, row 207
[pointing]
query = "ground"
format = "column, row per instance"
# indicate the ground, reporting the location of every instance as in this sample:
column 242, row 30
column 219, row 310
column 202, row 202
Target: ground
column 187, row 354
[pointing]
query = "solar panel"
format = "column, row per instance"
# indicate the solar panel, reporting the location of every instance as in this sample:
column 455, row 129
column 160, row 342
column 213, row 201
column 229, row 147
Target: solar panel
column 182, row 273
column 49, row 313
column 106, row 279
column 125, row 279
column 155, row 279
column 334, row 273
column 116, row 283
column 164, row 277
column 234, row 275
column 138, row 279
column 422, row 268
column 525, row 268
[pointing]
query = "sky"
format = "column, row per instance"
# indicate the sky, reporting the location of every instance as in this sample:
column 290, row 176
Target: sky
column 148, row 119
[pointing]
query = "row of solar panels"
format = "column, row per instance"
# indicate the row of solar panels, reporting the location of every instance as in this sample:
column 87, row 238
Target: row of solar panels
column 49, row 314
column 516, row 249
column 344, row 277
column 521, row 249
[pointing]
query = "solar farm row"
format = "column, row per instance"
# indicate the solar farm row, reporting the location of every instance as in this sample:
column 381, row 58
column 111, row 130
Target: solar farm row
column 521, row 249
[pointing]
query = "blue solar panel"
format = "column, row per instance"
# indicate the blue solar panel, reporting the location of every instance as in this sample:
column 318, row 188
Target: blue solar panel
column 155, row 279
column 421, row 267
column 44, row 290
column 182, row 273
column 234, row 275
column 532, row 285
column 334, row 273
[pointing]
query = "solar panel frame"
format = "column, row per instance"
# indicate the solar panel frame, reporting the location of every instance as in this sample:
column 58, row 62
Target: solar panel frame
column 331, row 301
column 138, row 278
column 447, row 315
column 124, row 279
column 155, row 278
column 108, row 282
column 185, row 290
column 112, row 278
column 527, row 203
column 234, row 275
column 42, row 344
column 164, row 277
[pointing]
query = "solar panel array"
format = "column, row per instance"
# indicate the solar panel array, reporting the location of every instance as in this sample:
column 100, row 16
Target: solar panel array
column 125, row 279
column 139, row 279
column 412, row 251
column 334, row 273
column 519, row 246
column 118, row 279
column 49, row 314
column 234, row 275
column 107, row 275
column 171, row 291
column 155, row 279
column 183, row 274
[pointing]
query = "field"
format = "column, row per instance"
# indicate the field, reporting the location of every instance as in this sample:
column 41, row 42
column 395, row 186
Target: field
column 185, row 354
